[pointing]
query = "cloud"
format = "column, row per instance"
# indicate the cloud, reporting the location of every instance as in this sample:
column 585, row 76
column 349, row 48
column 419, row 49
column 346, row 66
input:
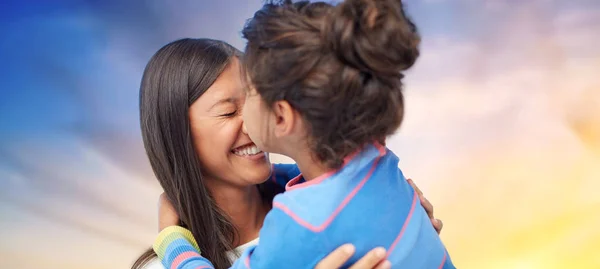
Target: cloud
column 66, row 195
column 504, row 143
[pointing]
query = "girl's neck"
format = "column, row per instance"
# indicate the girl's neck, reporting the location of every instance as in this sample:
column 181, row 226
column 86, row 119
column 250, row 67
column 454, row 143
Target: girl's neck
column 245, row 207
column 308, row 165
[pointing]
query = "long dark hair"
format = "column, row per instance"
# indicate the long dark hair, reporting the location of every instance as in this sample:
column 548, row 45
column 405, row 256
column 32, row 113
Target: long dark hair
column 177, row 75
column 346, row 58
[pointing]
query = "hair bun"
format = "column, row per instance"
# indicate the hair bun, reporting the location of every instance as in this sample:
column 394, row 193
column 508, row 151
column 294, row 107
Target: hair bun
column 373, row 36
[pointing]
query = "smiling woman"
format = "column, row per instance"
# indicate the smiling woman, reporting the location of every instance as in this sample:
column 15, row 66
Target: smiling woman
column 190, row 102
column 227, row 155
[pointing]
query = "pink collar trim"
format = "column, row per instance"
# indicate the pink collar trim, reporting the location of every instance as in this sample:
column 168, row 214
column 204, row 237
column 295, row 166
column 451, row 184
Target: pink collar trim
column 293, row 184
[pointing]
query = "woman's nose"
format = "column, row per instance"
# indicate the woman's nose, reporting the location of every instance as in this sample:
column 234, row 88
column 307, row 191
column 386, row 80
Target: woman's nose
column 244, row 130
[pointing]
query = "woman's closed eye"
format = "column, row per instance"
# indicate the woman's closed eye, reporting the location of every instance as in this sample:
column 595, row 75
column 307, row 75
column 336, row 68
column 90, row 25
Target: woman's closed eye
column 230, row 114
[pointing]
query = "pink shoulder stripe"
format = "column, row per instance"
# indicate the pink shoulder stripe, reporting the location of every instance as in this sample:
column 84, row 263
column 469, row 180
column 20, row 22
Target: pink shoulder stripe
column 293, row 184
column 330, row 219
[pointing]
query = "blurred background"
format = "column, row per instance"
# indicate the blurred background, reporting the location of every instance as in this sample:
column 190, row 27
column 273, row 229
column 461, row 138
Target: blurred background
column 502, row 130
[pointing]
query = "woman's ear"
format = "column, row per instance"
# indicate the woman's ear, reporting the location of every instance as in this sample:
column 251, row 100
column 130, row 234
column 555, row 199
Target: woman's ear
column 285, row 118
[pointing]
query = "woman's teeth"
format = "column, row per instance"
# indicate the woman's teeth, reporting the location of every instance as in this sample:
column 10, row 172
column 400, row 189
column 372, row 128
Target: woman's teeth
column 252, row 150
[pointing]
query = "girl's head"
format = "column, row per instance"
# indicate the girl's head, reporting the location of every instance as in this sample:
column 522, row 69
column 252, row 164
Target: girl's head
column 331, row 74
column 191, row 98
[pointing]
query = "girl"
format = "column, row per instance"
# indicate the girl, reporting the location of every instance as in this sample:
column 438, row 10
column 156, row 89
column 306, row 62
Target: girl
column 326, row 91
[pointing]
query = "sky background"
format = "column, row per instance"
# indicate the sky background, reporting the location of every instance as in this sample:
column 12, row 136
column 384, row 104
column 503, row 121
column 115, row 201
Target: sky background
column 502, row 128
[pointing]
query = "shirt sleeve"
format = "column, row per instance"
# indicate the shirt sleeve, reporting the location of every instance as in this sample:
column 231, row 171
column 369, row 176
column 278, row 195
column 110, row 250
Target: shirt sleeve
column 299, row 248
column 176, row 247
column 283, row 172
column 284, row 243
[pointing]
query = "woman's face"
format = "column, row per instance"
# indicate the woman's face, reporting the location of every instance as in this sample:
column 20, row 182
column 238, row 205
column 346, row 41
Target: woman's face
column 226, row 153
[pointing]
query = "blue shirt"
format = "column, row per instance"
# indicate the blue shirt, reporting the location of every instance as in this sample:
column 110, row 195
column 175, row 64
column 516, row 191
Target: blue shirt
column 367, row 202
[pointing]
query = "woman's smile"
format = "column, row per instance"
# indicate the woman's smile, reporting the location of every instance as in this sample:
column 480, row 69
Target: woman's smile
column 249, row 151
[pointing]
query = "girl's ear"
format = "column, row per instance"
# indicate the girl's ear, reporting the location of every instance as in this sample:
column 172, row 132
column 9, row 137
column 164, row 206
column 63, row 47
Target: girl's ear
column 286, row 118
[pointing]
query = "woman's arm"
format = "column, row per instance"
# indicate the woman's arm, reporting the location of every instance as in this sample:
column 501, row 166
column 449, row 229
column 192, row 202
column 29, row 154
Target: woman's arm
column 176, row 248
column 175, row 242
column 282, row 173
column 437, row 223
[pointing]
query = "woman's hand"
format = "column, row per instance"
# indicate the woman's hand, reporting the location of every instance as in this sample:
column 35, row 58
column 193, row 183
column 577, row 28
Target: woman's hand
column 374, row 259
column 167, row 215
column 437, row 224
